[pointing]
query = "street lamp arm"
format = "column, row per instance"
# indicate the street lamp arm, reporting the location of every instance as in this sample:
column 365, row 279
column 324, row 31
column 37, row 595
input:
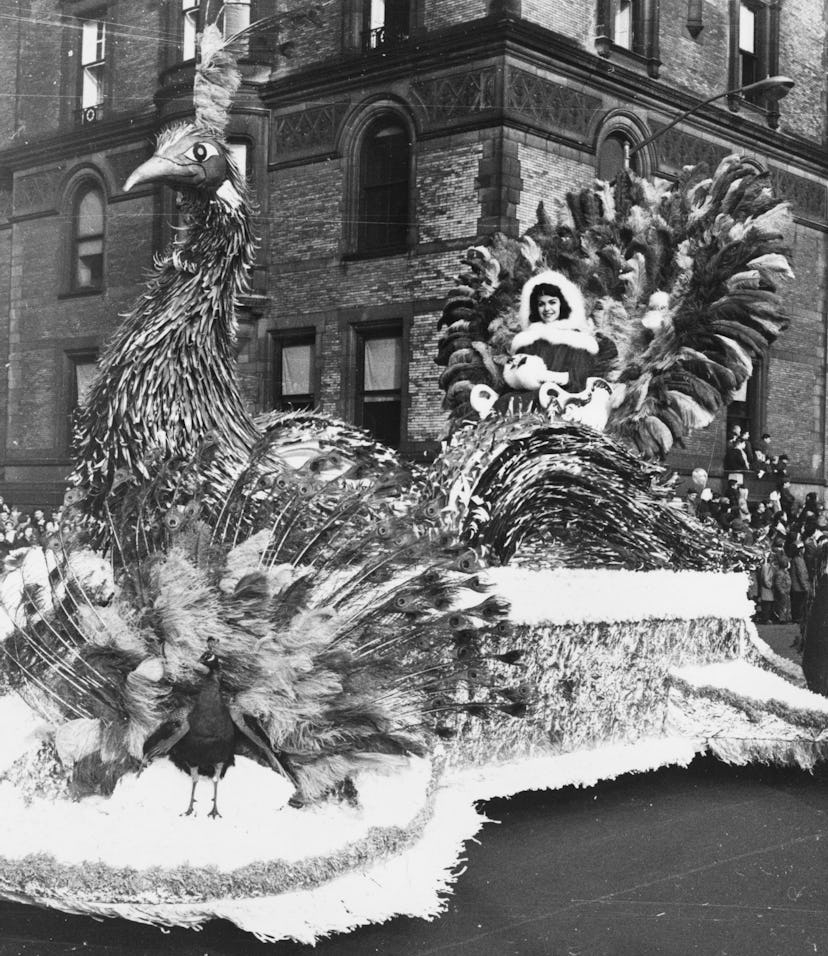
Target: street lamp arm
column 778, row 86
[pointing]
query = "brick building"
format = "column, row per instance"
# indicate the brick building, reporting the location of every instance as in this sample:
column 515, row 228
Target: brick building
column 381, row 138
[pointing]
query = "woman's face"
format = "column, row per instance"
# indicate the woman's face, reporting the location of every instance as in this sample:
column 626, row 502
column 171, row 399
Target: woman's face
column 549, row 308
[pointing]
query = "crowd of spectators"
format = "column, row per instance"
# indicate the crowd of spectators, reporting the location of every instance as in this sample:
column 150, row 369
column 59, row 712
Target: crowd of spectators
column 743, row 457
column 19, row 529
column 791, row 534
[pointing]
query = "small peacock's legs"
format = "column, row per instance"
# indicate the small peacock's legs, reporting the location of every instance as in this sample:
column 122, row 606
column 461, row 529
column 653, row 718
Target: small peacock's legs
column 194, row 777
column 216, row 777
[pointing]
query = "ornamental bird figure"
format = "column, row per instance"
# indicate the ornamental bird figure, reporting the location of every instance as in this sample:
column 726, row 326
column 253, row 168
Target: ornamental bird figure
column 620, row 330
column 167, row 381
column 347, row 655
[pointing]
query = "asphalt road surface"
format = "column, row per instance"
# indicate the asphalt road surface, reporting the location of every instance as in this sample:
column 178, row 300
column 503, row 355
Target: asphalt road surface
column 703, row 860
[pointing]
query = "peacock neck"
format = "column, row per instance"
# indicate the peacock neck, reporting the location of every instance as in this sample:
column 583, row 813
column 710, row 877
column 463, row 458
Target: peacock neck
column 168, row 376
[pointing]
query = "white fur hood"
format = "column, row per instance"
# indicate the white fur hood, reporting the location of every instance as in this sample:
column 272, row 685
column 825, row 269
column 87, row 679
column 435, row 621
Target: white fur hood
column 577, row 318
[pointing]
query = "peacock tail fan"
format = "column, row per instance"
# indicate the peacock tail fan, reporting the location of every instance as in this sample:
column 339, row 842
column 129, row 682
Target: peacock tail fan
column 364, row 650
column 553, row 494
column 680, row 278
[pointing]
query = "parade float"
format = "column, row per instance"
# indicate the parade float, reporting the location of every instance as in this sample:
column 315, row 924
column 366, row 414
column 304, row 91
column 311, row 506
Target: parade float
column 273, row 668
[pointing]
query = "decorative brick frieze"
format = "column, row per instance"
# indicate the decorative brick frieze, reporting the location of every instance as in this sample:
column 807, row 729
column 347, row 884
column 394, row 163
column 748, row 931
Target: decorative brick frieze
column 445, row 98
column 5, row 204
column 36, row 192
column 550, row 105
column 807, row 197
column 122, row 164
column 309, row 130
column 677, row 149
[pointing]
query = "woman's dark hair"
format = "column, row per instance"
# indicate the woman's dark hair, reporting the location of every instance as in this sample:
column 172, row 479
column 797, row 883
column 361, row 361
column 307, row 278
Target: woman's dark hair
column 546, row 288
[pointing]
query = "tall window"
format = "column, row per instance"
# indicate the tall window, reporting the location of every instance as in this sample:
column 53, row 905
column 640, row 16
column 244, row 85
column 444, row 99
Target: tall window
column 189, row 12
column 240, row 151
column 748, row 46
column 623, row 27
column 93, row 64
column 384, row 188
column 746, row 408
column 610, row 159
column 83, row 371
column 754, row 50
column 379, row 384
column 388, row 23
column 295, row 377
column 87, row 254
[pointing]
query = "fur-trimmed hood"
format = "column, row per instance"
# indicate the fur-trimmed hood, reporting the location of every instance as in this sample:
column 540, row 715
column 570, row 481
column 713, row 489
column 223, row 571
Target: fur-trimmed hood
column 577, row 317
column 573, row 331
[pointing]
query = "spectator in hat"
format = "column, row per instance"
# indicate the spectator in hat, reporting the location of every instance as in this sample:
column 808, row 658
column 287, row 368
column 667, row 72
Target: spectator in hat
column 765, row 575
column 800, row 585
column 782, row 590
column 736, row 457
column 787, row 501
column 780, row 468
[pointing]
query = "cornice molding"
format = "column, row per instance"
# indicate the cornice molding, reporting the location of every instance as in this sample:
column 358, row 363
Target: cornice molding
column 78, row 140
column 523, row 43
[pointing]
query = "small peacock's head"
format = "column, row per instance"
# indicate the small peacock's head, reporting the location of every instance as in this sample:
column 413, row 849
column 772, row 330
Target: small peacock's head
column 186, row 157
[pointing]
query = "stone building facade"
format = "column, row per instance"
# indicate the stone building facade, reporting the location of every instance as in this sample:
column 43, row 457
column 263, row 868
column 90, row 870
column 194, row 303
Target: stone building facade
column 381, row 138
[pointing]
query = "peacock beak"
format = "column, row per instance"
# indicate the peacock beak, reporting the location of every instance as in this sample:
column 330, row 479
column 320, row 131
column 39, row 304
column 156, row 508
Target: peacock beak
column 159, row 169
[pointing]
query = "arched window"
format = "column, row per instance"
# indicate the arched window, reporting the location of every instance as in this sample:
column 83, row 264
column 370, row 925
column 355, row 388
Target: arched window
column 384, row 187
column 87, row 252
column 610, row 159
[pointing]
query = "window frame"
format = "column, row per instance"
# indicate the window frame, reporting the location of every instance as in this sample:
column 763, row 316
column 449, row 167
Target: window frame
column 92, row 112
column 378, row 329
column 79, row 191
column 184, row 18
column 389, row 191
column 644, row 32
column 755, row 402
column 766, row 55
column 73, row 357
column 374, row 38
column 305, row 335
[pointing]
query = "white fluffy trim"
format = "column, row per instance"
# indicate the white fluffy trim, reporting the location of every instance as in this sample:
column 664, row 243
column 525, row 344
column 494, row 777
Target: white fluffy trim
column 581, row 768
column 561, row 332
column 586, row 595
column 413, row 883
column 569, row 290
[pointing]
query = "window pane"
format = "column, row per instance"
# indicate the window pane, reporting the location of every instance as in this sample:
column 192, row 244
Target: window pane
column 382, row 419
column 377, row 14
column 747, row 29
column 297, row 369
column 90, row 215
column 239, row 153
column 384, row 199
column 610, row 158
column 383, row 364
column 89, row 272
column 92, row 94
column 93, row 41
column 84, row 373
column 188, row 48
column 623, row 24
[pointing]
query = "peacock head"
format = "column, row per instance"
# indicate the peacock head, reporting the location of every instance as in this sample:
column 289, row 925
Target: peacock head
column 188, row 158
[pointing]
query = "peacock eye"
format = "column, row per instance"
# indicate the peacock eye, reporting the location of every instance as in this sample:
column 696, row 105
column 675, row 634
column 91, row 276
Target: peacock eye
column 199, row 152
